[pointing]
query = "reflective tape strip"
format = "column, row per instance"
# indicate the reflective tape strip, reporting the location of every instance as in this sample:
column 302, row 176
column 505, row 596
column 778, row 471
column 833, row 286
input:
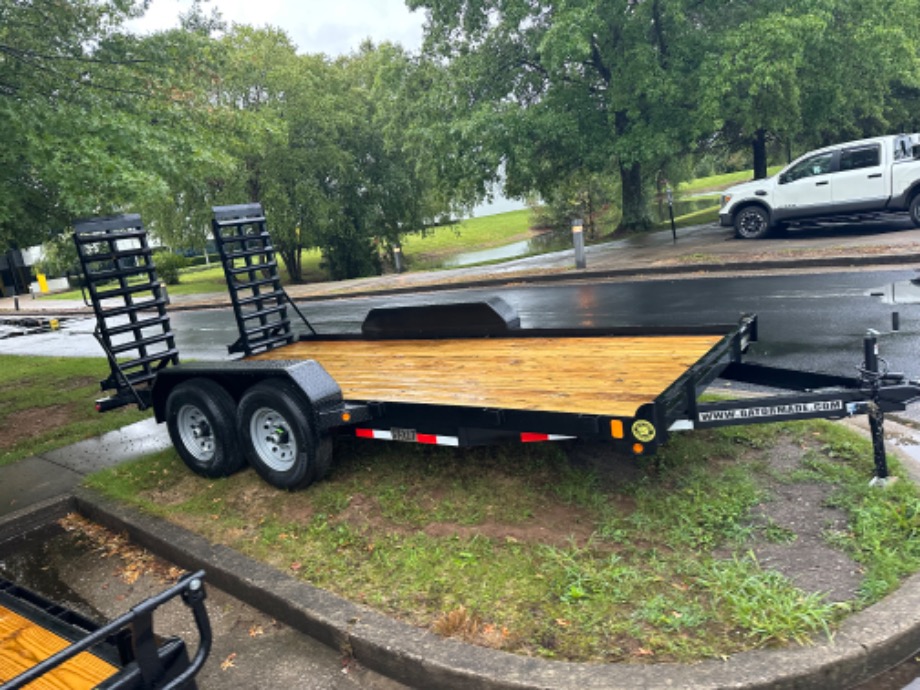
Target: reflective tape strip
column 428, row 439
column 527, row 437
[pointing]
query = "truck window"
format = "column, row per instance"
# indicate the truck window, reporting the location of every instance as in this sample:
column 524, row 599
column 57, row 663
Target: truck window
column 814, row 165
column 862, row 157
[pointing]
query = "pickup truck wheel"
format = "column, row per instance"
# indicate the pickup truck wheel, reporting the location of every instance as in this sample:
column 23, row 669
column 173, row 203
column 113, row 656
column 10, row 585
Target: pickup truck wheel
column 201, row 420
column 914, row 209
column 752, row 223
column 278, row 438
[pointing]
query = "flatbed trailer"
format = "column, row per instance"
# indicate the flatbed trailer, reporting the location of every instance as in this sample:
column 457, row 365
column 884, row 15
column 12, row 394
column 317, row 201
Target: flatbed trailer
column 46, row 645
column 456, row 374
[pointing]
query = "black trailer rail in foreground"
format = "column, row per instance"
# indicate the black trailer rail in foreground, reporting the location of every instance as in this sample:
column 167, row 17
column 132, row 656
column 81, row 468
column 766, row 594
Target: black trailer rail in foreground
column 451, row 374
column 43, row 644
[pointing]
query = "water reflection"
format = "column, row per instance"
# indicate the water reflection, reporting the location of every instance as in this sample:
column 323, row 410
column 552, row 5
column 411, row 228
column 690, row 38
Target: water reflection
column 902, row 292
column 553, row 241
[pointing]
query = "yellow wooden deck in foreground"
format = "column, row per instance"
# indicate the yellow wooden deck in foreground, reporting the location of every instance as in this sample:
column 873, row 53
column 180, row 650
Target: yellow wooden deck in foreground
column 23, row 644
column 609, row 376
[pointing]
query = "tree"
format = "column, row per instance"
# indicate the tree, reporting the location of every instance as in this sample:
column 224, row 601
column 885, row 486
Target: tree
column 97, row 121
column 550, row 89
column 819, row 71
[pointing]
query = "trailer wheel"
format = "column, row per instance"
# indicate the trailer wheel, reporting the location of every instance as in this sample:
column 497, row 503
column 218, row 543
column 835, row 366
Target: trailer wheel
column 201, row 419
column 278, row 438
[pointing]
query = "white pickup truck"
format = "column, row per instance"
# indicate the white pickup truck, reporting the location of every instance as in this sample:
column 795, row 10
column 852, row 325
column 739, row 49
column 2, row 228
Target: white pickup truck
column 869, row 176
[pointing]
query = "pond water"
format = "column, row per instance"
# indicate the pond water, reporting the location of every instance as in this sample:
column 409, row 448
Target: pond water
column 559, row 240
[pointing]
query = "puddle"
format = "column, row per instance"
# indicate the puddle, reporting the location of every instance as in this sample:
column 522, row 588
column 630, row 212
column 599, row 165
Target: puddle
column 682, row 207
column 12, row 327
column 538, row 244
column 902, row 292
column 34, row 562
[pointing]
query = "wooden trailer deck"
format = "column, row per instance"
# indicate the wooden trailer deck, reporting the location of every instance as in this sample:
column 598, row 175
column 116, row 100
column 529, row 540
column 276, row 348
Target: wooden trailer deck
column 601, row 375
column 24, row 642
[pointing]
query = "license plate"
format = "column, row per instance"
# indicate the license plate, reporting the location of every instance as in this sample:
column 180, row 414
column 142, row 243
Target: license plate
column 403, row 434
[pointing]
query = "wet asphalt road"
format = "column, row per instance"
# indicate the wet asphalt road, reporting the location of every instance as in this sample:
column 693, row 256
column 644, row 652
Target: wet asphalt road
column 810, row 322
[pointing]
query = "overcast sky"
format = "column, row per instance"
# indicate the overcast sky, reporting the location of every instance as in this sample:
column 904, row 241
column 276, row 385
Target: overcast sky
column 333, row 27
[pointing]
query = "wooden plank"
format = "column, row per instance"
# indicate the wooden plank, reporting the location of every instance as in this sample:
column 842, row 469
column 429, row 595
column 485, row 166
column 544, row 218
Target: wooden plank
column 581, row 375
column 24, row 643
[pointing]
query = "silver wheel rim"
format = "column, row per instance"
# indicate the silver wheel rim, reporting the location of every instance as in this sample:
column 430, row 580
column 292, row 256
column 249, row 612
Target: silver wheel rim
column 751, row 223
column 272, row 439
column 196, row 433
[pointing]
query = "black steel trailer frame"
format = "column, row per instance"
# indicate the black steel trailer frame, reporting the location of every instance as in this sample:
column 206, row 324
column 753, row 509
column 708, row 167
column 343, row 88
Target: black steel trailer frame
column 212, row 408
column 128, row 643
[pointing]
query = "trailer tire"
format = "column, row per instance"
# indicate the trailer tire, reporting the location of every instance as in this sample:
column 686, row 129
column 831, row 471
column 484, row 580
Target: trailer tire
column 278, row 438
column 201, row 420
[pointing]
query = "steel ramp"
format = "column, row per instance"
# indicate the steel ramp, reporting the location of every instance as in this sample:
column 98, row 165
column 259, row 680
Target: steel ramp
column 129, row 302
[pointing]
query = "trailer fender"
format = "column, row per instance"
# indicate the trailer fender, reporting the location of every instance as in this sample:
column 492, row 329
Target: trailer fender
column 321, row 393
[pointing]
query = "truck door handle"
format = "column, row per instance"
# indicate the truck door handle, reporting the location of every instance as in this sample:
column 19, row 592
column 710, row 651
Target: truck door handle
column 875, row 175
column 820, row 184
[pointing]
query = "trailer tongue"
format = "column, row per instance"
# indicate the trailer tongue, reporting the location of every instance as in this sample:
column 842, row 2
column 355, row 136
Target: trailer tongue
column 455, row 374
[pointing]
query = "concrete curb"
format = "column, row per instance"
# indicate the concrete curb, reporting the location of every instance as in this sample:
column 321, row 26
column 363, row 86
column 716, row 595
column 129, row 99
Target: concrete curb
column 867, row 643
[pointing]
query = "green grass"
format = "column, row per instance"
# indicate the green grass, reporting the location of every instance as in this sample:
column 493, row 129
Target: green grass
column 475, row 233
column 198, row 280
column 47, row 403
column 516, row 547
column 716, row 182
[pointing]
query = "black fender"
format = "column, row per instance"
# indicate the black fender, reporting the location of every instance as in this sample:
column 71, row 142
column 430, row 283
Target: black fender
column 322, row 395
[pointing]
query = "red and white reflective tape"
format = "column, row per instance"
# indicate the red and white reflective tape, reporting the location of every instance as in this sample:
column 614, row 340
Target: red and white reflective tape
column 537, row 438
column 429, row 439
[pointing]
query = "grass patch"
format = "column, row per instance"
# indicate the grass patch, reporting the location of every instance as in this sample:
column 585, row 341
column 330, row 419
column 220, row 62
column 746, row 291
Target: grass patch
column 716, row 182
column 431, row 248
column 47, row 403
column 524, row 549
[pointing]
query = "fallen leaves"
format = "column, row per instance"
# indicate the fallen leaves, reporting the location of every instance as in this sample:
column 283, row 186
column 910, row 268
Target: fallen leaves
column 227, row 663
column 135, row 561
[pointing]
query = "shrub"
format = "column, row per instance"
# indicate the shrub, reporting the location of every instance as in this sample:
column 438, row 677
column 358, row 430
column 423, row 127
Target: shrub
column 169, row 265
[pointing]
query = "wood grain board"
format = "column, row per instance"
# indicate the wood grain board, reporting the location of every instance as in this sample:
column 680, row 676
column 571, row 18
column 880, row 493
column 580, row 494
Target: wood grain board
column 23, row 644
column 609, row 376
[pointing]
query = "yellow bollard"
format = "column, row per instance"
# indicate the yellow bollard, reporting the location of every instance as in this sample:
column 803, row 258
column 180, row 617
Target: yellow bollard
column 42, row 282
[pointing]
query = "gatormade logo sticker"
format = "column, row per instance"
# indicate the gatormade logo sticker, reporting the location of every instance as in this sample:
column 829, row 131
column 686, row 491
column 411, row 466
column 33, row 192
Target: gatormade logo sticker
column 790, row 410
column 643, row 430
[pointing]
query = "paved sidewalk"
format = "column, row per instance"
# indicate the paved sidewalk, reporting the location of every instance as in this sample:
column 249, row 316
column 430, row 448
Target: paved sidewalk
column 699, row 251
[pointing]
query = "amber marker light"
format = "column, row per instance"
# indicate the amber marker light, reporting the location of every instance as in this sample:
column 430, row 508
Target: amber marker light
column 346, row 416
column 616, row 428
column 638, row 448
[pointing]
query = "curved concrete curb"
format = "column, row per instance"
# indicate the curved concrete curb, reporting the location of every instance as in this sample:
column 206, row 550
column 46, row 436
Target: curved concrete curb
column 867, row 643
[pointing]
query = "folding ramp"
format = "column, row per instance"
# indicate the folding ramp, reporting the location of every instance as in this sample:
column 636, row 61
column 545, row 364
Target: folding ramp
column 260, row 304
column 130, row 306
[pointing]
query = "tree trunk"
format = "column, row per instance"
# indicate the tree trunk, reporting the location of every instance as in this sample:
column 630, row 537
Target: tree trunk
column 760, row 154
column 635, row 201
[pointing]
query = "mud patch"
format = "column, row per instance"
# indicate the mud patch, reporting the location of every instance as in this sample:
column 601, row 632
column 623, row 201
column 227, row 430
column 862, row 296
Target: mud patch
column 31, row 423
column 557, row 525
column 798, row 518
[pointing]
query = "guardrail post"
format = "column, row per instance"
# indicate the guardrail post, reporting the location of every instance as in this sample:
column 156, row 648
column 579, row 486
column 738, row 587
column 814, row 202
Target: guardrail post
column 578, row 237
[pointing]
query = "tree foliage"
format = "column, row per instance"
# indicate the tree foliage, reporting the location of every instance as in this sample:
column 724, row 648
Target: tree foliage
column 587, row 103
